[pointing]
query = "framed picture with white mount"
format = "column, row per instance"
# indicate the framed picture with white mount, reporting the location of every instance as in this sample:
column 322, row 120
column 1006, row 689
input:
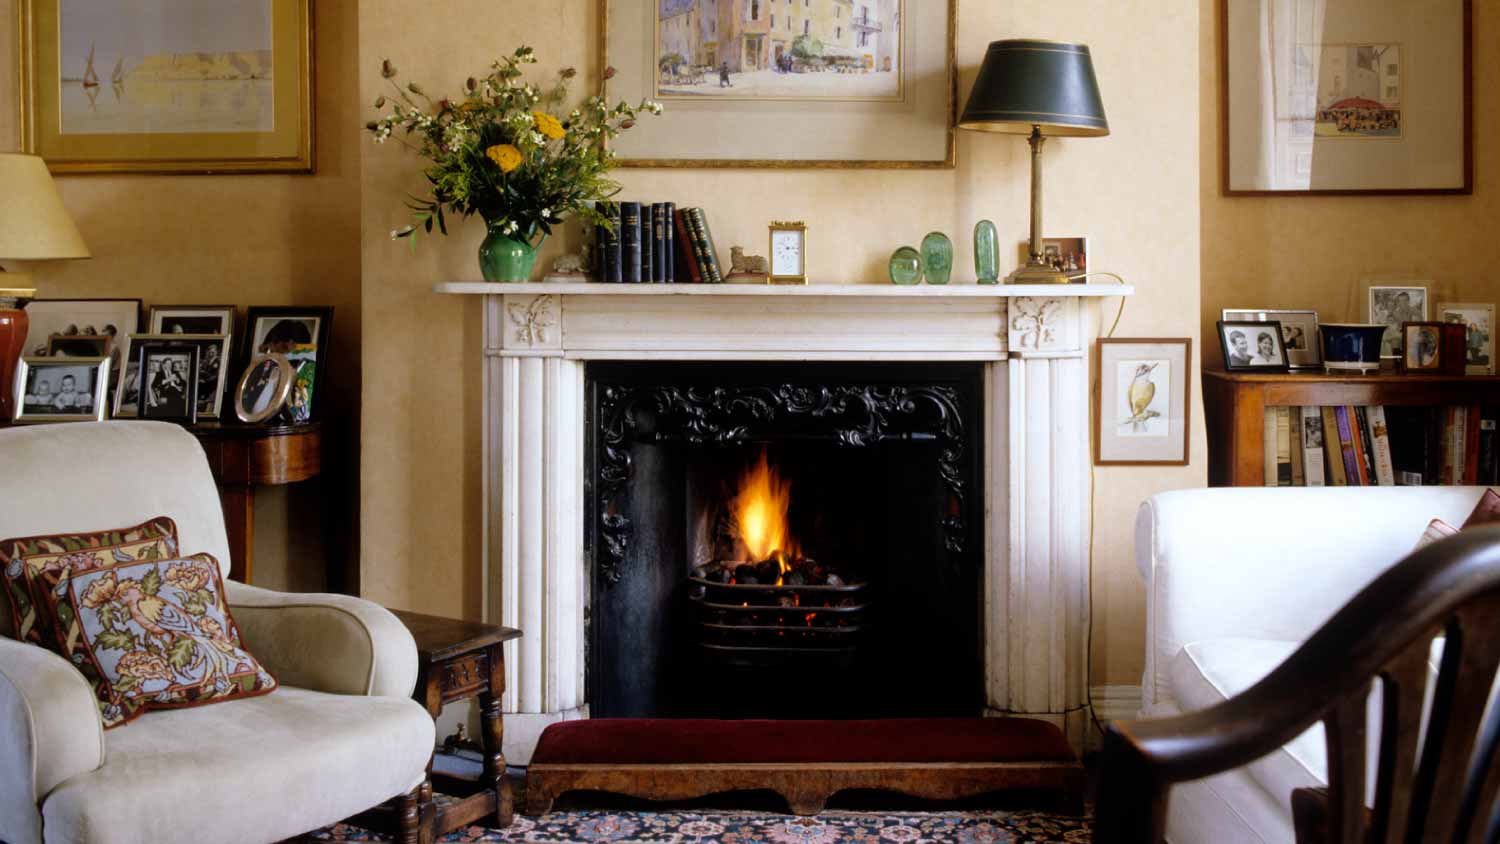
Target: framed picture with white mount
column 1142, row 401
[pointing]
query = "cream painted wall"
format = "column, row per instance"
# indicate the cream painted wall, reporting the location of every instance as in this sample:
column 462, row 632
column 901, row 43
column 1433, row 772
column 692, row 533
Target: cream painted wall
column 1135, row 194
column 264, row 240
column 1313, row 252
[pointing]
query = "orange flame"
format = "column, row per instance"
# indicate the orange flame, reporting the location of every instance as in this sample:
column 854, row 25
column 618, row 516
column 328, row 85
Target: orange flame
column 759, row 511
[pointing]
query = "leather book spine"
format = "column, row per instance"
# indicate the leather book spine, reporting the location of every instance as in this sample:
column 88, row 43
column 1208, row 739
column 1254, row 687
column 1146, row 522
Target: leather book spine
column 669, row 247
column 688, row 263
column 630, row 242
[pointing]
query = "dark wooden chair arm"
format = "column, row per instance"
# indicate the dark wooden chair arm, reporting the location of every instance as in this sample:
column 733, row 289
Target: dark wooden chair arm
column 1450, row 587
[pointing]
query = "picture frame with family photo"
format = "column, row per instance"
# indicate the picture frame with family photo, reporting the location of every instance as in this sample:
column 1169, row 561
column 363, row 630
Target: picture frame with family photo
column 1299, row 332
column 168, row 381
column 1252, row 345
column 61, row 389
column 191, row 319
column 1391, row 304
column 299, row 334
column 45, row 318
column 210, row 378
column 1478, row 320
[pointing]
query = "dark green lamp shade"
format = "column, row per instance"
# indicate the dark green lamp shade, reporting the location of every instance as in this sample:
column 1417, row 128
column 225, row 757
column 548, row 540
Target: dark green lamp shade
column 1027, row 83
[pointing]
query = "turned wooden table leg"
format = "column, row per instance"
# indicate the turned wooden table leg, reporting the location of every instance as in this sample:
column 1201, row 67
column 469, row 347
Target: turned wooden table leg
column 239, row 526
column 492, row 736
column 408, row 818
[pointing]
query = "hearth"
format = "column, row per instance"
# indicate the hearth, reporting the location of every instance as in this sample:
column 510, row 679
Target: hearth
column 771, row 541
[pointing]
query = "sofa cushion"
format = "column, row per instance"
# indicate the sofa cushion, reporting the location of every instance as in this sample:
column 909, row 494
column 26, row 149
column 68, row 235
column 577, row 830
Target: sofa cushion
column 23, row 560
column 222, row 773
column 150, row 634
column 1486, row 512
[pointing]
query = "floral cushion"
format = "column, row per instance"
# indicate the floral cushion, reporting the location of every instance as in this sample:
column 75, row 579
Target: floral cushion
column 1487, row 511
column 151, row 634
column 23, row 560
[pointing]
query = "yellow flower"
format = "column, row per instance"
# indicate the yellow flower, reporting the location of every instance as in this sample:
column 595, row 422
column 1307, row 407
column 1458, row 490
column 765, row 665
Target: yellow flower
column 547, row 125
column 505, row 155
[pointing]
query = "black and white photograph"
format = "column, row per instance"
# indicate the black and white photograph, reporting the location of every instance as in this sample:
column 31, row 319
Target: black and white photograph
column 300, row 334
column 79, row 345
column 263, row 389
column 1299, row 332
column 168, row 386
column 213, row 352
column 1312, row 433
column 1392, row 305
column 1252, row 345
column 78, row 318
column 192, row 319
column 61, row 390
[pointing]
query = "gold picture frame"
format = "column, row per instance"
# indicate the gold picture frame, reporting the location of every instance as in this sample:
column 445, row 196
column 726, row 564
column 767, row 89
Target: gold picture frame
column 930, row 108
column 274, row 88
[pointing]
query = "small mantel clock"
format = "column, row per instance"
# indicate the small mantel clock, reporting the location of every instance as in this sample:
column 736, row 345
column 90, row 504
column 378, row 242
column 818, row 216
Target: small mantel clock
column 788, row 253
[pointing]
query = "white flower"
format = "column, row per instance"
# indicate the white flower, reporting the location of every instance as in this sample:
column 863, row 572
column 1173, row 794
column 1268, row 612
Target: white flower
column 536, row 138
column 546, row 213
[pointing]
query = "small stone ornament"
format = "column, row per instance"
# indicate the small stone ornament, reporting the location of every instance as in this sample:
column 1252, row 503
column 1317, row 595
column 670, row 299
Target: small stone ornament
column 570, row 268
column 746, row 269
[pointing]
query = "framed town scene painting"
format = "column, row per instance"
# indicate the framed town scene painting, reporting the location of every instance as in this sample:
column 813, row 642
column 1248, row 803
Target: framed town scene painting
column 185, row 86
column 784, row 83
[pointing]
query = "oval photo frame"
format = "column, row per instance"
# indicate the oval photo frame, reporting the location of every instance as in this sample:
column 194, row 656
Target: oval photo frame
column 256, row 398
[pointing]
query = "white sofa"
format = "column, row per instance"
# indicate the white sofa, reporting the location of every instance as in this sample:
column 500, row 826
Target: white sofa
column 339, row 736
column 1236, row 578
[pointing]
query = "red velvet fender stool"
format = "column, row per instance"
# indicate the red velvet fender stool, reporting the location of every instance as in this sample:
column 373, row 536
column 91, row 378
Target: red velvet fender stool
column 806, row 762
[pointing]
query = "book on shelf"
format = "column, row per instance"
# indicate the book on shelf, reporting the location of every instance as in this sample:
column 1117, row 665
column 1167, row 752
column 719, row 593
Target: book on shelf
column 708, row 253
column 607, row 244
column 631, row 260
column 1310, row 431
column 1378, row 445
column 669, row 247
column 686, row 260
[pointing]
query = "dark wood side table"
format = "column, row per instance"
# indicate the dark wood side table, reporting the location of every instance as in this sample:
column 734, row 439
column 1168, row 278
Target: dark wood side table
column 458, row 660
column 242, row 456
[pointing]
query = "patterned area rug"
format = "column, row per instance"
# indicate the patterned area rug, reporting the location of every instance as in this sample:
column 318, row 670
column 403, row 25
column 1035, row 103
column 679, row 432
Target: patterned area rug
column 624, row 827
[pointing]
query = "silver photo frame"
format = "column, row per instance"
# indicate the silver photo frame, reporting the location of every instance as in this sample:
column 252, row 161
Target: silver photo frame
column 1299, row 332
column 44, row 392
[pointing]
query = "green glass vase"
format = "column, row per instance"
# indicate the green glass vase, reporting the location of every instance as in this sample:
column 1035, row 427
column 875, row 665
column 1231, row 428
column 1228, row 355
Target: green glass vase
column 937, row 258
column 507, row 258
column 986, row 253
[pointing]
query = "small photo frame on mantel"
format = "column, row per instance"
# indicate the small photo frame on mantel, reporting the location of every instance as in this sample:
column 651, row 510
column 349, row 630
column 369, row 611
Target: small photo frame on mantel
column 1252, row 346
column 1142, row 403
column 1299, row 332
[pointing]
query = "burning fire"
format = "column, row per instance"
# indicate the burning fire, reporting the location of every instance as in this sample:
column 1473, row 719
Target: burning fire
column 759, row 511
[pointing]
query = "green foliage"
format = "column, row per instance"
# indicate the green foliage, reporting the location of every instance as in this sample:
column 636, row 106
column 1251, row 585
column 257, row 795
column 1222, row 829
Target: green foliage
column 108, row 614
column 116, row 640
column 505, row 149
column 807, row 47
column 194, row 604
column 151, row 582
column 181, row 654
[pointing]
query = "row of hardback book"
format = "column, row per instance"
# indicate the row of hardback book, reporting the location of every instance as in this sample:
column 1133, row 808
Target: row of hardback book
column 1388, row 445
column 655, row 243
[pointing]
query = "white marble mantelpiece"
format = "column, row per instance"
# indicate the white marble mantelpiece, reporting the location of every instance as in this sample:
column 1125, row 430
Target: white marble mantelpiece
column 1033, row 340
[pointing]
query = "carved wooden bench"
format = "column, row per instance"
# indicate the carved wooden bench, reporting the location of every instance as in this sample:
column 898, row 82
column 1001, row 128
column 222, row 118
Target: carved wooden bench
column 806, row 762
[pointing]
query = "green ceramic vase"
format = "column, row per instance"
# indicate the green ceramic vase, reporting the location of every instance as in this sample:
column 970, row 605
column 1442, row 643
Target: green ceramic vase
column 986, row 252
column 506, row 258
column 906, row 266
column 937, row 258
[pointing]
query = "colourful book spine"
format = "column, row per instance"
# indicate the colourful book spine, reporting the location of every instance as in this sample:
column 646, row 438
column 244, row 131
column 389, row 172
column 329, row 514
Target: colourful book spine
column 1357, row 438
column 708, row 245
column 700, row 248
column 687, row 264
column 1346, row 446
column 631, row 261
column 1332, row 453
column 1361, row 425
column 1268, row 447
column 1489, row 449
column 1471, row 445
column 1380, row 446
column 1311, row 431
column 1286, row 474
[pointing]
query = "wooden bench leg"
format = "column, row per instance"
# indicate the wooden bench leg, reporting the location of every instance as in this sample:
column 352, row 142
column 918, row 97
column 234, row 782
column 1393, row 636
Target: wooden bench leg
column 409, row 817
column 538, row 797
column 805, row 803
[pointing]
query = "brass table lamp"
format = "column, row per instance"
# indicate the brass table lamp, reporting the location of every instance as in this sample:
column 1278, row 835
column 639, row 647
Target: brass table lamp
column 1040, row 89
column 34, row 226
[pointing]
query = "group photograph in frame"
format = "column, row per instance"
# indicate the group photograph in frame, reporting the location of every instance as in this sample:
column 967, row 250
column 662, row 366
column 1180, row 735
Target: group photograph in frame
column 1299, row 332
column 61, row 389
column 1345, row 97
column 168, row 381
column 1142, row 401
column 167, row 86
column 1478, row 320
column 300, row 335
column 1252, row 346
column 768, row 83
column 211, row 377
column 48, row 318
column 1392, row 304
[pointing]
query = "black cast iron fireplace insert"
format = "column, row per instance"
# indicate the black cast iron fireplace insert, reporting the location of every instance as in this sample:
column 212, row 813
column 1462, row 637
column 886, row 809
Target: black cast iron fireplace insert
column 863, row 596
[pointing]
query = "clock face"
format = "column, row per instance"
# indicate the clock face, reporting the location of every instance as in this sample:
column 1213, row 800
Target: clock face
column 786, row 252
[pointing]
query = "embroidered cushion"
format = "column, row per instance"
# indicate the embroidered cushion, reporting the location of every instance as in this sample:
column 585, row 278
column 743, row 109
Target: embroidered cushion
column 1485, row 512
column 23, row 560
column 151, row 634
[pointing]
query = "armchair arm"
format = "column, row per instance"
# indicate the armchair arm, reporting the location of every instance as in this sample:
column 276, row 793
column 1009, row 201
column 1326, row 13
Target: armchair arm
column 50, row 731
column 332, row 643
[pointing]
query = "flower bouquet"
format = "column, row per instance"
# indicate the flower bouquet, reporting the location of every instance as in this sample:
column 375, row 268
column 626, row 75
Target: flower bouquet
column 501, row 151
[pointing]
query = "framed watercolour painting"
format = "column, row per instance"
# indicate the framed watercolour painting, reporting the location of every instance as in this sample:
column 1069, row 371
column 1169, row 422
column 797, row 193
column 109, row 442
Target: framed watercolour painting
column 167, row 86
column 784, row 83
column 1346, row 96
column 1142, row 401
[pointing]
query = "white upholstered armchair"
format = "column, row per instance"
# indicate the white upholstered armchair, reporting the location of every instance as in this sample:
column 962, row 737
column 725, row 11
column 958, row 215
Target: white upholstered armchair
column 341, row 734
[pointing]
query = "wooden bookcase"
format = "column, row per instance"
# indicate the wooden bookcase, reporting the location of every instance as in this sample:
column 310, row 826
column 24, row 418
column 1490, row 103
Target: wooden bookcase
column 1234, row 406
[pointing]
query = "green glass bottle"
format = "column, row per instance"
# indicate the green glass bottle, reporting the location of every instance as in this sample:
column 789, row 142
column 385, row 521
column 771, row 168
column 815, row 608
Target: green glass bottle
column 937, row 257
column 906, row 266
column 986, row 252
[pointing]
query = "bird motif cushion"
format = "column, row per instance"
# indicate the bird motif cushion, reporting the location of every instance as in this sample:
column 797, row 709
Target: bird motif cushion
column 151, row 634
column 23, row 560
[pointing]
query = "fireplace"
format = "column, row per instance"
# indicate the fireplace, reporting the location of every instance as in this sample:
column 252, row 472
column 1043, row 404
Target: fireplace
column 1016, row 538
column 767, row 540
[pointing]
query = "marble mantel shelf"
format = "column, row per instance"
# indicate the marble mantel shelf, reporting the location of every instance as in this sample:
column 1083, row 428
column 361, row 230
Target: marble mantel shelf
column 916, row 291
